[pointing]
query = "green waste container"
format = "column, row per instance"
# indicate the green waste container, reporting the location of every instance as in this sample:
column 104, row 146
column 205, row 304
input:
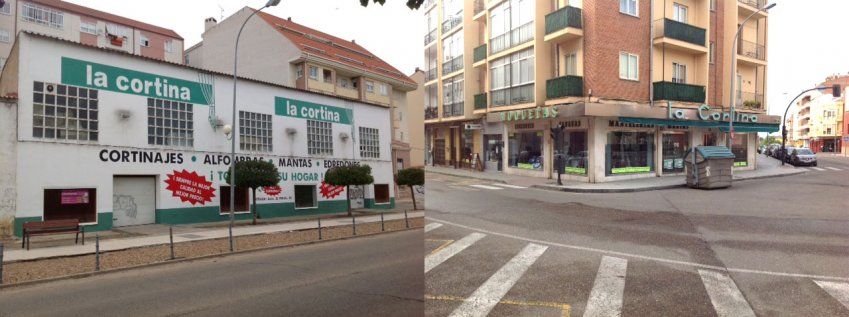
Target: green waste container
column 709, row 167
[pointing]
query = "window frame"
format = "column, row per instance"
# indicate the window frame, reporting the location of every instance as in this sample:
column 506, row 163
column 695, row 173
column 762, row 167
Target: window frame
column 388, row 195
column 162, row 115
column 369, row 142
column 678, row 70
column 317, row 139
column 80, row 108
column 313, row 72
column 628, row 58
column 168, row 46
column 45, row 16
column 144, row 41
column 677, row 10
column 5, row 36
column 88, row 27
column 626, row 3
column 254, row 136
column 224, row 188
column 314, row 196
column 6, row 9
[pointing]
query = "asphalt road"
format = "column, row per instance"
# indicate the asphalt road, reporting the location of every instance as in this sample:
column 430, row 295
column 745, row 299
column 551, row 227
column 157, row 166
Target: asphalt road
column 370, row 276
column 768, row 247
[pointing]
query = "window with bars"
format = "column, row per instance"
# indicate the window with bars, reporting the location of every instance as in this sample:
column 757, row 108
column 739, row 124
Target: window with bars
column 254, row 131
column 42, row 15
column 369, row 143
column 319, row 137
column 170, row 123
column 64, row 112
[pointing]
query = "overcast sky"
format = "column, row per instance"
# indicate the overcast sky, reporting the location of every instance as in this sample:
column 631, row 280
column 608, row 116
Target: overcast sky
column 806, row 41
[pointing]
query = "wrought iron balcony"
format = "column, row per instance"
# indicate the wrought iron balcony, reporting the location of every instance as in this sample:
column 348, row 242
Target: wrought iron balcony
column 665, row 90
column 750, row 100
column 430, row 37
column 430, row 74
column 452, row 65
column 564, row 86
column 680, row 31
column 452, row 110
column 566, row 17
column 451, row 22
column 751, row 50
column 431, row 113
column 480, row 101
column 480, row 53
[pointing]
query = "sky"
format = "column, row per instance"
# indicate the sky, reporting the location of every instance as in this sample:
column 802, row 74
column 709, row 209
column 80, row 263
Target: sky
column 806, row 43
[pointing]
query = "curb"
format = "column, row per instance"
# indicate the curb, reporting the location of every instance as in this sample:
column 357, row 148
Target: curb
column 645, row 189
column 467, row 176
column 182, row 260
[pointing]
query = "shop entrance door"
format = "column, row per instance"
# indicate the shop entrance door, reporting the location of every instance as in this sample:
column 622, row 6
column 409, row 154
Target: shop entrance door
column 492, row 155
column 358, row 194
column 439, row 152
column 674, row 146
column 133, row 200
column 453, row 147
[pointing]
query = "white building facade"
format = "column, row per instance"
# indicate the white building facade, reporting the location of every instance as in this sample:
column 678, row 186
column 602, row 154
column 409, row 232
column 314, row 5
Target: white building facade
column 116, row 140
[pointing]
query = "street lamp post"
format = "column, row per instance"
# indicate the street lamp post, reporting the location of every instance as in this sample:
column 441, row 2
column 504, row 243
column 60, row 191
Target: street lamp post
column 235, row 127
column 731, row 93
column 836, row 91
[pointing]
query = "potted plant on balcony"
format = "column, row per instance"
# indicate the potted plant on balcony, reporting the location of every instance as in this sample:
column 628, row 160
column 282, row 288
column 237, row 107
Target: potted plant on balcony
column 752, row 104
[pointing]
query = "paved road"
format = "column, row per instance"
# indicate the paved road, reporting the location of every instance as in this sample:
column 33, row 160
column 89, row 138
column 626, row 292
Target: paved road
column 770, row 247
column 372, row 276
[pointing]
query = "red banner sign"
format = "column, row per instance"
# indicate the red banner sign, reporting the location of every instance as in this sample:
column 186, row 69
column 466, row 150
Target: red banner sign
column 190, row 187
column 330, row 191
column 272, row 190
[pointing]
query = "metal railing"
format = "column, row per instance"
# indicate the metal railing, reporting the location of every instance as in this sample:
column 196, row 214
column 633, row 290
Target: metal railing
column 452, row 65
column 480, row 53
column 751, row 49
column 452, row 22
column 754, row 3
column 479, row 6
column 480, row 101
column 515, row 37
column 513, row 95
column 679, row 31
column 430, row 74
column 452, row 110
column 564, row 86
column 430, row 37
column 566, row 17
column 750, row 100
column 665, row 90
column 431, row 113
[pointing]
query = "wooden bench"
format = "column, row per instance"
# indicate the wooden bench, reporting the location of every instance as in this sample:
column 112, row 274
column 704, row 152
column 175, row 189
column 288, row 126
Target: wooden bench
column 49, row 227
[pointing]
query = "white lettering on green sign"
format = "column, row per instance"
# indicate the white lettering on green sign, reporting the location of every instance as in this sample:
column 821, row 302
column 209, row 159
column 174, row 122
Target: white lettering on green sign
column 312, row 111
column 706, row 114
column 529, row 114
column 104, row 77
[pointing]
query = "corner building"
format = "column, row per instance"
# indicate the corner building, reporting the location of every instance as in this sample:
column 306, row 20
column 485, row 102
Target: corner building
column 116, row 140
column 632, row 83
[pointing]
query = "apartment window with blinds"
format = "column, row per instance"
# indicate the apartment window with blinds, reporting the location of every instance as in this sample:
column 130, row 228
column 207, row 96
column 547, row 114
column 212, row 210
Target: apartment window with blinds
column 629, row 7
column 679, row 73
column 511, row 24
column 64, row 112
column 572, row 64
column 42, row 15
column 512, row 79
column 629, row 66
column 169, row 46
column 319, row 137
column 254, row 131
column 88, row 27
column 369, row 143
column 452, row 47
column 170, row 123
column 679, row 13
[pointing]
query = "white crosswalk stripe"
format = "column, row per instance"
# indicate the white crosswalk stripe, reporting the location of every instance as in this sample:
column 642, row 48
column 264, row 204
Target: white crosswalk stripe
column 432, row 225
column 432, row 260
column 818, row 168
column 510, row 186
column 606, row 295
column 726, row 298
column 839, row 291
column 463, row 188
column 486, row 187
column 834, row 168
column 484, row 299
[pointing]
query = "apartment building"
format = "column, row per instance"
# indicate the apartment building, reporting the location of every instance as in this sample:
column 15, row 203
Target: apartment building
column 88, row 26
column 818, row 119
column 628, row 85
column 283, row 52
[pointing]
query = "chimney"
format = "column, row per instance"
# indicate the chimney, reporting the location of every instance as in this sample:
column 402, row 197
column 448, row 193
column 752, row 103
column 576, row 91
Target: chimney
column 209, row 23
column 289, row 19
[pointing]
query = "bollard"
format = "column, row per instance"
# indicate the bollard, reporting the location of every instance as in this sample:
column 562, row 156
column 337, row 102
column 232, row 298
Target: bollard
column 171, row 237
column 1, row 263
column 354, row 221
column 382, row 228
column 406, row 221
column 319, row 228
column 97, row 252
column 230, row 228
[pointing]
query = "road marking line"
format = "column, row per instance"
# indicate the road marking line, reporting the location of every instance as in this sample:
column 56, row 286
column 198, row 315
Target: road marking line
column 484, row 299
column 444, row 244
column 463, row 188
column 818, row 168
column 566, row 308
column 431, row 261
column 839, row 291
column 644, row 257
column 486, row 187
column 432, row 225
column 606, row 295
column 726, row 298
column 510, row 186
column 833, row 168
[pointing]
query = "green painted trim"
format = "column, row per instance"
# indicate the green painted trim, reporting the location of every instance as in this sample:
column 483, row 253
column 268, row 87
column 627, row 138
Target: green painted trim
column 104, row 222
column 19, row 224
column 275, row 210
column 575, row 170
column 369, row 203
column 741, row 164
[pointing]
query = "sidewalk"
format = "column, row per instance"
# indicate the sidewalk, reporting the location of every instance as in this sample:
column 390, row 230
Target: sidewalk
column 767, row 167
column 192, row 234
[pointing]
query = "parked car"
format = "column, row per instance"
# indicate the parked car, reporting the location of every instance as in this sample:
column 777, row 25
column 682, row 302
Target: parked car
column 770, row 149
column 803, row 156
column 788, row 150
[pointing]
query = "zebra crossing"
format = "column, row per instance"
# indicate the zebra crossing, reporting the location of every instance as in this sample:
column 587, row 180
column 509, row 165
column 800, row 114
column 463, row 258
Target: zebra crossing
column 608, row 295
column 493, row 186
column 820, row 169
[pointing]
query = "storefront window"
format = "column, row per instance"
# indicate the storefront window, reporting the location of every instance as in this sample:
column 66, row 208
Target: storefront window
column 674, row 146
column 740, row 148
column 493, row 143
column 526, row 150
column 242, row 198
column 629, row 153
column 573, row 145
column 305, row 196
column 468, row 146
column 78, row 203
column 381, row 194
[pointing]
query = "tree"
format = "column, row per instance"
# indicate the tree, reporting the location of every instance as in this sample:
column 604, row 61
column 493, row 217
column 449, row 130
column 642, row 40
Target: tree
column 254, row 174
column 412, row 4
column 411, row 177
column 347, row 176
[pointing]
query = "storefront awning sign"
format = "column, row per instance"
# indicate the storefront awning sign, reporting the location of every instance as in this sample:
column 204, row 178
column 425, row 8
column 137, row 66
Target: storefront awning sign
column 529, row 114
column 705, row 113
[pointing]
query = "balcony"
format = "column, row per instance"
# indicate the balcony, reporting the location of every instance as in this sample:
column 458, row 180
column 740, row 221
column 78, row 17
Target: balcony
column 750, row 100
column 513, row 38
column 665, row 90
column 430, row 74
column 431, row 113
column 513, row 95
column 680, row 35
column 751, row 53
column 430, row 37
column 452, row 65
column 452, row 22
column 748, row 7
column 479, row 7
column 452, row 110
column 563, row 24
column 480, row 101
column 565, row 86
column 480, row 53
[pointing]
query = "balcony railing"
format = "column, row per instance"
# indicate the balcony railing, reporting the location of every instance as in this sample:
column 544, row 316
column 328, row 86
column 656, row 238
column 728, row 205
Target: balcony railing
column 480, row 101
column 564, row 87
column 754, row 3
column 516, row 36
column 452, row 110
column 430, row 37
column 431, row 113
column 451, row 22
column 513, row 95
column 430, row 74
column 428, row 3
column 665, row 90
column 452, row 65
column 480, row 53
column 479, row 6
column 566, row 17
column 679, row 31
column 752, row 50
column 750, row 100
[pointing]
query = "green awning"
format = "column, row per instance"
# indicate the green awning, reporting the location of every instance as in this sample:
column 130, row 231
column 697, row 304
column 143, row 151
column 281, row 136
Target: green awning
column 723, row 126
